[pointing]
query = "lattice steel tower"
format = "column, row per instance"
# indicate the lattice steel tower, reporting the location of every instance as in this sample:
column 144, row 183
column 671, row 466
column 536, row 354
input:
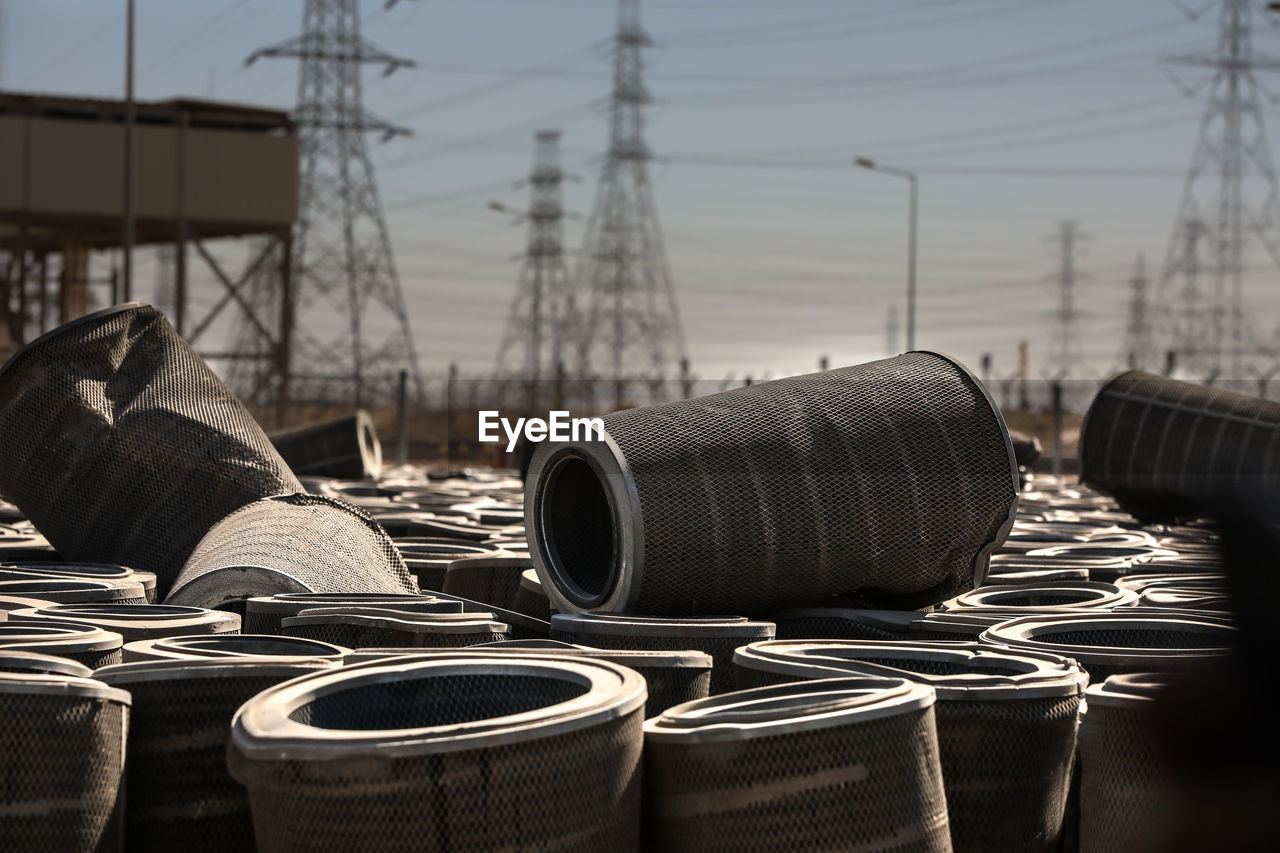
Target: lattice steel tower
column 1230, row 193
column 632, row 328
column 542, row 320
column 1065, row 348
column 351, row 333
column 1139, row 348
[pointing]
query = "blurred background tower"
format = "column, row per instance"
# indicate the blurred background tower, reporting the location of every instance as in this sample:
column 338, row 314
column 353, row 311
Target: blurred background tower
column 1230, row 192
column 1065, row 353
column 351, row 334
column 632, row 327
column 542, row 317
column 1139, row 349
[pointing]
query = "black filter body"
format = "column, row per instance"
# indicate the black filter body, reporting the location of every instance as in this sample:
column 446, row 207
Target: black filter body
column 344, row 447
column 778, row 495
column 19, row 661
column 1165, row 448
column 291, row 543
column 83, row 643
column 493, row 579
column 842, row 764
column 62, row 753
column 122, row 446
column 1006, row 726
column 414, row 755
column 180, row 796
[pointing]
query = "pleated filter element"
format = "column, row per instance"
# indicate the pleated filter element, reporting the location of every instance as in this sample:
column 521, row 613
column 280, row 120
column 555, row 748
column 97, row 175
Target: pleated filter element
column 539, row 754
column 779, row 494
column 62, row 755
column 841, row 764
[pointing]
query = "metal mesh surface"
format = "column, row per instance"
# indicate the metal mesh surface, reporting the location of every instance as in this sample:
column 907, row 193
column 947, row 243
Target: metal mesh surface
column 123, row 446
column 61, row 769
column 492, row 580
column 84, row 644
column 1161, row 447
column 323, row 544
column 570, row 791
column 357, row 636
column 1125, row 804
column 180, row 797
column 779, row 494
column 346, row 447
column 835, row 624
column 873, row 785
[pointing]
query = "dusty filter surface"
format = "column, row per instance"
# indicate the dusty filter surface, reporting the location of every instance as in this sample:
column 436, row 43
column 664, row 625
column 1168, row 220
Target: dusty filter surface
column 779, row 494
column 444, row 753
column 122, row 445
column 845, row 764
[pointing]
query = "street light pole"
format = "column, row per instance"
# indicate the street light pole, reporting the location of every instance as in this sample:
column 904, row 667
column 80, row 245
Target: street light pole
column 913, row 216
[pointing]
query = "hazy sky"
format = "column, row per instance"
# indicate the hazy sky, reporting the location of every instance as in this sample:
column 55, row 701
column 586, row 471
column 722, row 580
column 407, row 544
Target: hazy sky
column 1017, row 113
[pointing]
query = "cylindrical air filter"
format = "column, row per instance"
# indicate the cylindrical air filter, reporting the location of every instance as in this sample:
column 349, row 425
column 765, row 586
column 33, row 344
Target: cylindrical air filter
column 718, row 636
column 1165, row 448
column 842, row 623
column 138, row 621
column 123, row 446
column 493, row 578
column 1006, row 726
column 291, row 543
column 1004, row 574
column 521, row 627
column 428, row 557
column 1078, row 595
column 13, row 660
column 1204, row 582
column 530, row 599
column 1186, row 599
column 359, row 628
column 80, row 642
column 1125, row 785
column 62, row 751
column 75, row 590
column 843, row 764
column 180, row 796
column 895, row 477
column 956, row 626
column 232, row 646
column 262, row 615
column 92, row 571
column 1111, row 643
column 446, row 753
column 346, row 447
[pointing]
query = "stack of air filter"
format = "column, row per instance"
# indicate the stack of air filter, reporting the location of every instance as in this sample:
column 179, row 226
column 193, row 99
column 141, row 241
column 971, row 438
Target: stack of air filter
column 1006, row 726
column 533, row 753
column 232, row 645
column 136, row 621
column 716, row 636
column 1111, row 643
column 62, row 755
column 363, row 627
column 846, row 764
column 24, row 570
column 778, row 495
column 1125, row 800
column 262, row 615
column 87, row 644
column 180, row 796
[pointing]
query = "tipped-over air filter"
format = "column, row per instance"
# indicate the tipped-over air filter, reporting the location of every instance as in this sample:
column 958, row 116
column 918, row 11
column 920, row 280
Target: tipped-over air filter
column 534, row 753
column 1165, row 448
column 346, row 447
column 62, row 751
column 364, row 627
column 843, row 764
column 1006, row 726
column 494, row 578
column 895, row 477
column 74, row 590
column 232, row 646
column 263, row 615
column 291, row 543
column 92, row 571
column 13, row 660
column 841, row 623
column 137, row 621
column 1125, row 798
column 1079, row 595
column 122, row 445
column 1116, row 642
column 180, row 796
column 80, row 642
column 718, row 636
